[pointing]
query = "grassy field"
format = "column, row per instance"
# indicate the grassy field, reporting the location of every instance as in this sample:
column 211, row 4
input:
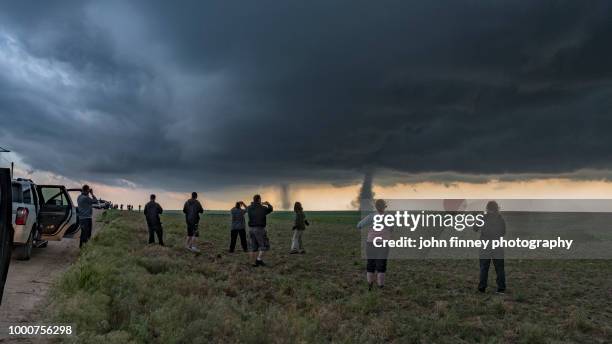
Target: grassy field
column 123, row 290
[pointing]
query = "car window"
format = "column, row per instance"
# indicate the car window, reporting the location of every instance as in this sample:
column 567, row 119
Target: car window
column 17, row 197
column 74, row 195
column 53, row 196
column 27, row 196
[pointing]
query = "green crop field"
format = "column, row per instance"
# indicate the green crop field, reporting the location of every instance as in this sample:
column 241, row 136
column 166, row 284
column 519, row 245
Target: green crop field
column 124, row 290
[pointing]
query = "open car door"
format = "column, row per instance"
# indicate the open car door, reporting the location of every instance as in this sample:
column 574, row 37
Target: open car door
column 57, row 213
column 75, row 227
column 6, row 227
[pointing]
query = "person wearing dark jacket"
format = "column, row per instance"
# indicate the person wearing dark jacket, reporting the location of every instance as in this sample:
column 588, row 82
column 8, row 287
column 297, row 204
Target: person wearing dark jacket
column 152, row 210
column 238, row 226
column 298, row 229
column 257, row 229
column 493, row 228
column 192, row 210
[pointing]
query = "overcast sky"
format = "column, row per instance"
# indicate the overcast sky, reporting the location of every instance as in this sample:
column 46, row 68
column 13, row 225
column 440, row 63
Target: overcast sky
column 179, row 95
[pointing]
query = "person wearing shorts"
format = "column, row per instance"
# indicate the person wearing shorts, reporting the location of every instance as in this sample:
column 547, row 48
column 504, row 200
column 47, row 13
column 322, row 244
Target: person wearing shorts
column 258, row 235
column 192, row 210
column 376, row 264
column 191, row 229
column 259, row 240
column 377, row 259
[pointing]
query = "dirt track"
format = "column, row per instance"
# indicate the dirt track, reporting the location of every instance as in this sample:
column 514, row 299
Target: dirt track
column 29, row 281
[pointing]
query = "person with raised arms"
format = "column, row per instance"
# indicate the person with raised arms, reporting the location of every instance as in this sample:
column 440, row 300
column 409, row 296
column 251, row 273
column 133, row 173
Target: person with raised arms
column 85, row 213
column 257, row 229
column 376, row 265
column 238, row 227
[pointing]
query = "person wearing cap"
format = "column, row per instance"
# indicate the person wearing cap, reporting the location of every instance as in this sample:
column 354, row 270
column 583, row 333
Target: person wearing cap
column 376, row 265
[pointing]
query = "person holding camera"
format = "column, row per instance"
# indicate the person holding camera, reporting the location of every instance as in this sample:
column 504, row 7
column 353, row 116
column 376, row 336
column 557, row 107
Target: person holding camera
column 85, row 213
column 238, row 226
column 376, row 263
column 257, row 229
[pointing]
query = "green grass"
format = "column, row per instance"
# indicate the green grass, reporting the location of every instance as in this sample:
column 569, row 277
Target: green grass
column 123, row 290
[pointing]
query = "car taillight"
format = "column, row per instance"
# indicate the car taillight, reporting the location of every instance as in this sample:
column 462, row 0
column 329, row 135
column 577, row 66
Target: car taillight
column 22, row 216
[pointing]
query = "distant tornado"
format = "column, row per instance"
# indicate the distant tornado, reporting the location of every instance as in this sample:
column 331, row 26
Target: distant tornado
column 366, row 195
column 284, row 195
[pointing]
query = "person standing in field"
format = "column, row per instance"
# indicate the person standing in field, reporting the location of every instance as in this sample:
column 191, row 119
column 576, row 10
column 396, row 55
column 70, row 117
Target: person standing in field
column 376, row 266
column 298, row 229
column 257, row 229
column 85, row 213
column 192, row 210
column 152, row 210
column 493, row 228
column 238, row 226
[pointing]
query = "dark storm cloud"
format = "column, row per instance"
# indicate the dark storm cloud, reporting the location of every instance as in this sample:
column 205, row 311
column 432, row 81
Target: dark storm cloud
column 250, row 93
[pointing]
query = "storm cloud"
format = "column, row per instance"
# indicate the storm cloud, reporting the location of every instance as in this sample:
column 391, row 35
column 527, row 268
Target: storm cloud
column 220, row 94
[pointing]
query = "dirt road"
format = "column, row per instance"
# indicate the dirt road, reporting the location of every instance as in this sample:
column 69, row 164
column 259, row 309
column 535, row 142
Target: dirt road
column 29, row 282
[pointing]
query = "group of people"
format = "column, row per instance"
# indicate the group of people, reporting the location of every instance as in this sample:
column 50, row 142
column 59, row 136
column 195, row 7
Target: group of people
column 376, row 264
column 257, row 212
column 85, row 205
column 129, row 207
column 494, row 227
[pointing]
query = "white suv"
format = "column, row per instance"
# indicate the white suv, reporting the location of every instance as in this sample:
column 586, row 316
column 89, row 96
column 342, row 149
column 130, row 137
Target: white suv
column 40, row 213
column 6, row 228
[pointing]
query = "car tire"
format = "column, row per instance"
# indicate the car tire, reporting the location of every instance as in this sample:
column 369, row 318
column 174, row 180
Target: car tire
column 24, row 252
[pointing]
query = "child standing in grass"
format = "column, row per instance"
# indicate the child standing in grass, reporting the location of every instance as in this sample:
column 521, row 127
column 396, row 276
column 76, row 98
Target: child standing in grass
column 298, row 229
column 376, row 265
